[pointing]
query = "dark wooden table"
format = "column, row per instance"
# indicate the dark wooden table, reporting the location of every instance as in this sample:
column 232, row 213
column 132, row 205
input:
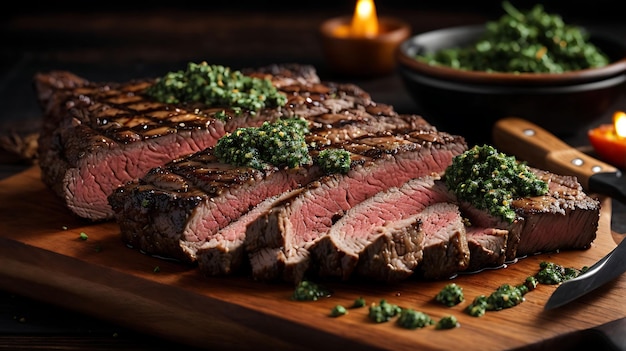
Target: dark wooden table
column 120, row 42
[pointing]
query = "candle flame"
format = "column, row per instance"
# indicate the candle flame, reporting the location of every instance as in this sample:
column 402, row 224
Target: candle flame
column 364, row 21
column 619, row 123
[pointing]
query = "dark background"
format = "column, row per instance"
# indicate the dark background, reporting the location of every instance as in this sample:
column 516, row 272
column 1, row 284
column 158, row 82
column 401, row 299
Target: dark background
column 121, row 40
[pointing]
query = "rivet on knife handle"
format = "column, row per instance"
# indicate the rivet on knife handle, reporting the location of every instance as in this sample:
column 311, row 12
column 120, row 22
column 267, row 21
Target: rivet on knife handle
column 541, row 149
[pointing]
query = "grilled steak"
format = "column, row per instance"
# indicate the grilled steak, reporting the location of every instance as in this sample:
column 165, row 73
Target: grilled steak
column 174, row 209
column 295, row 224
column 98, row 136
column 349, row 240
column 111, row 152
column 393, row 252
column 549, row 220
column 543, row 224
column 445, row 244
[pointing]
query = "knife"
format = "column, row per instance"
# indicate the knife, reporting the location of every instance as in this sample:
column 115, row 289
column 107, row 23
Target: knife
column 541, row 149
column 603, row 271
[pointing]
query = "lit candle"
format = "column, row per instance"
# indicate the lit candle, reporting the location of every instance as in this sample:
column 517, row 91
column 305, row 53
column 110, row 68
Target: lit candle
column 609, row 140
column 362, row 44
column 364, row 21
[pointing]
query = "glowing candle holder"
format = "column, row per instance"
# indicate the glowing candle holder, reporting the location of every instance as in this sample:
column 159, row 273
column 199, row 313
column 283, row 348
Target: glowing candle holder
column 363, row 45
column 609, row 140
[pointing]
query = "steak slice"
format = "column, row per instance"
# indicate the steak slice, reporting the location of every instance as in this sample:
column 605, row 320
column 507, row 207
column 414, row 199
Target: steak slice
column 97, row 136
column 373, row 222
column 172, row 210
column 224, row 253
column 487, row 247
column 446, row 251
column 291, row 227
column 393, row 252
column 564, row 218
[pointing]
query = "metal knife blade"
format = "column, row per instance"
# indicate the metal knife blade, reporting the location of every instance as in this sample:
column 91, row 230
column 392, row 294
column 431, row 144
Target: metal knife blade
column 603, row 271
column 541, row 149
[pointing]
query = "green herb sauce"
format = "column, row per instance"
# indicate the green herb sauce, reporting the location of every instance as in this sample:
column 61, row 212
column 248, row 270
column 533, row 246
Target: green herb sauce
column 216, row 85
column 447, row 322
column 338, row 310
column 491, row 180
column 383, row 312
column 309, row 291
column 334, row 161
column 278, row 144
column 552, row 273
column 411, row 319
column 450, row 295
column 530, row 41
column 358, row 303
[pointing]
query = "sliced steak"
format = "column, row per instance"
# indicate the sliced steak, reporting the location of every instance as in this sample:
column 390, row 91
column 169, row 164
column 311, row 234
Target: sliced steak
column 224, row 253
column 393, row 251
column 564, row 219
column 372, row 222
column 446, row 251
column 487, row 247
column 174, row 209
column 291, row 227
column 97, row 136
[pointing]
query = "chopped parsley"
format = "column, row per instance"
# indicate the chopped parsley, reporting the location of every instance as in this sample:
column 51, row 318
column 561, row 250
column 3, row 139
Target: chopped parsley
column 216, row 85
column 280, row 144
column 412, row 319
column 447, row 322
column 334, row 161
column 450, row 295
column 491, row 180
column 552, row 273
column 338, row 310
column 531, row 41
column 358, row 303
column 309, row 291
column 383, row 311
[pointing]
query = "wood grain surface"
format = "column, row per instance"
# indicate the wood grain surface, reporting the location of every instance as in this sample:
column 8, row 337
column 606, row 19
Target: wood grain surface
column 43, row 257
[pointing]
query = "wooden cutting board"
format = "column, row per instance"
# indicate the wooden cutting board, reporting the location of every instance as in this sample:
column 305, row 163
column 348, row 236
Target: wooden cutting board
column 43, row 257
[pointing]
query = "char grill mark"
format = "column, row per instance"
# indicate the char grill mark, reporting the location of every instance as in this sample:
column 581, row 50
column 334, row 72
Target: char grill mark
column 125, row 134
column 294, row 225
column 210, row 195
column 155, row 172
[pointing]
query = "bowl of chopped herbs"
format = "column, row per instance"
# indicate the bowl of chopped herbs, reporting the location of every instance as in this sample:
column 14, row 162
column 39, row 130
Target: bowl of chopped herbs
column 528, row 63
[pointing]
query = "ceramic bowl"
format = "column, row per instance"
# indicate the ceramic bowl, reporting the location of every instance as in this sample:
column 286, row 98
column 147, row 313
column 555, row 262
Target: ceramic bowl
column 469, row 102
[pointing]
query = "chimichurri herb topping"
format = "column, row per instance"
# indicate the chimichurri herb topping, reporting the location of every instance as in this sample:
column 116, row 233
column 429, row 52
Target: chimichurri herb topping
column 450, row 295
column 83, row 236
column 491, row 180
column 552, row 273
column 216, row 85
column 530, row 41
column 279, row 144
column 508, row 296
column 447, row 322
column 334, row 161
column 412, row 319
column 358, row 303
column 309, row 291
column 338, row 310
column 383, row 312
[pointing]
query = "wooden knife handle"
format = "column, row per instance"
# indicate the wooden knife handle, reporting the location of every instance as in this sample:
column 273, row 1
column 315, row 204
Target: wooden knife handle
column 541, row 149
